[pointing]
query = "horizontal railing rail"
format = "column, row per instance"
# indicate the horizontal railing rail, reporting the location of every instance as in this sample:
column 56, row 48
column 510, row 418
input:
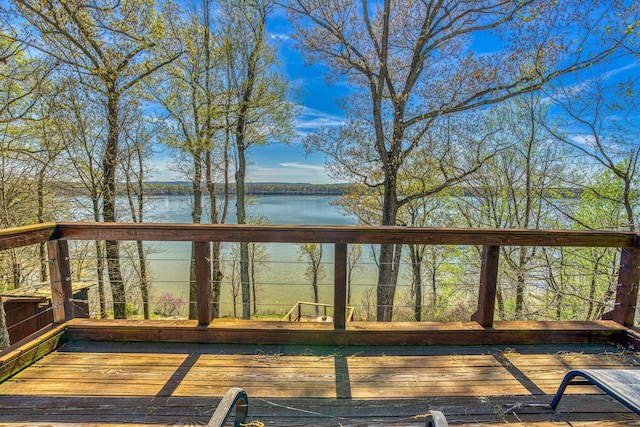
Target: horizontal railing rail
column 341, row 234
column 57, row 235
column 11, row 238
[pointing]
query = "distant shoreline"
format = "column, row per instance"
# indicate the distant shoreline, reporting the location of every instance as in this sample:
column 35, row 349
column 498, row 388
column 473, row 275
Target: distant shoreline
column 258, row 188
column 182, row 188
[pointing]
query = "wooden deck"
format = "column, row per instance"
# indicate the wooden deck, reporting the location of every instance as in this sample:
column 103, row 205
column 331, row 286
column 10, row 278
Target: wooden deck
column 127, row 372
column 124, row 383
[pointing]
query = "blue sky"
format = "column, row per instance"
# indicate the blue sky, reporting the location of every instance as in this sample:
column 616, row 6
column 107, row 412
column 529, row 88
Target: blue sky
column 279, row 162
column 289, row 163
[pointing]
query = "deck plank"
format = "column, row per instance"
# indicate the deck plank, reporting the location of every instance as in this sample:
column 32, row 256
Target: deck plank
column 124, row 384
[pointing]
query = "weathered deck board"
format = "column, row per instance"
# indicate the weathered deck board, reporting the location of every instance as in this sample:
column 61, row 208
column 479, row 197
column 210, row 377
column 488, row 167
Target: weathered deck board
column 19, row 356
column 119, row 383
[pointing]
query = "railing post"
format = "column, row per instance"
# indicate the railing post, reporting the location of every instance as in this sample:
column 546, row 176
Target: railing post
column 624, row 311
column 340, row 287
column 60, row 275
column 202, row 253
column 488, row 286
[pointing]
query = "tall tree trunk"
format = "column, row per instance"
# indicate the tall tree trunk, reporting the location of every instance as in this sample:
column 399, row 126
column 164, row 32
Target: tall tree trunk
column 434, row 292
column 216, row 279
column 99, row 256
column 16, row 269
column 316, row 296
column 555, row 287
column 109, row 206
column 416, row 268
column 234, row 292
column 560, row 285
column 142, row 259
column 349, row 276
column 252, row 251
column 352, row 261
column 628, row 193
column 196, row 218
column 558, row 304
column 4, row 332
column 218, row 218
column 138, row 206
column 520, row 284
column 387, row 279
column 434, row 277
column 592, row 288
column 500, row 300
column 245, row 105
column 42, row 250
column 244, row 246
column 519, row 310
column 386, row 285
column 216, row 265
column 216, row 268
column 144, row 281
column 609, row 294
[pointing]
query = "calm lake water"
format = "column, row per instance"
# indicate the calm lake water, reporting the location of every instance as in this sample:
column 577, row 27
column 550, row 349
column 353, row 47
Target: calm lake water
column 280, row 279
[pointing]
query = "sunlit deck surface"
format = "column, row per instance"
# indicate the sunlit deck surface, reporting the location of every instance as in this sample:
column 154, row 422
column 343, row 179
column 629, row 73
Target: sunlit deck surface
column 152, row 383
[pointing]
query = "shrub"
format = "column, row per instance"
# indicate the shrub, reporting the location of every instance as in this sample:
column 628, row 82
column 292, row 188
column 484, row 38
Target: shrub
column 168, row 305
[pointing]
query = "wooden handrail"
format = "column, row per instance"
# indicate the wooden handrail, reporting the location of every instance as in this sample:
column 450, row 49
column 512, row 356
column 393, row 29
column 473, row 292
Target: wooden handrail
column 201, row 234
column 341, row 234
column 24, row 236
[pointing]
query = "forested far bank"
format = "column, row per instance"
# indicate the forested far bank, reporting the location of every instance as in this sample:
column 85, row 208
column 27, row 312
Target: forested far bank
column 186, row 189
column 268, row 188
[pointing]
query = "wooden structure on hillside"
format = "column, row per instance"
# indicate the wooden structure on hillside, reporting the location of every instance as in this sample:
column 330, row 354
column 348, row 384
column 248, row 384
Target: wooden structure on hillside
column 123, row 372
column 28, row 309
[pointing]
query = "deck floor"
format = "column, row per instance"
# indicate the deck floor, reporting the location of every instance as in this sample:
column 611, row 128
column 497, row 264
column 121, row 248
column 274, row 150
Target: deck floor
column 109, row 383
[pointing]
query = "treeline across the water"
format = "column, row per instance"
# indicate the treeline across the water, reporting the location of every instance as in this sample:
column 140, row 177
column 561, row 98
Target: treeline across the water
column 258, row 188
column 182, row 188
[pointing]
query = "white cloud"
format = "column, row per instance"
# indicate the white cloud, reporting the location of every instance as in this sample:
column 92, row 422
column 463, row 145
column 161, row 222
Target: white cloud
column 570, row 91
column 583, row 139
column 311, row 120
column 289, row 172
column 296, row 165
column 622, row 69
column 279, row 36
column 161, row 170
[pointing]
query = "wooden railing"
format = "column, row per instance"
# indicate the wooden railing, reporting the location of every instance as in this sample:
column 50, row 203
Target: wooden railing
column 297, row 308
column 57, row 235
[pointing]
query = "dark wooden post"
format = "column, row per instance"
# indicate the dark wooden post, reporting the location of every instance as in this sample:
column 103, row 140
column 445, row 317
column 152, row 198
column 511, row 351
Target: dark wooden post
column 340, row 287
column 624, row 311
column 488, row 286
column 202, row 253
column 60, row 274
